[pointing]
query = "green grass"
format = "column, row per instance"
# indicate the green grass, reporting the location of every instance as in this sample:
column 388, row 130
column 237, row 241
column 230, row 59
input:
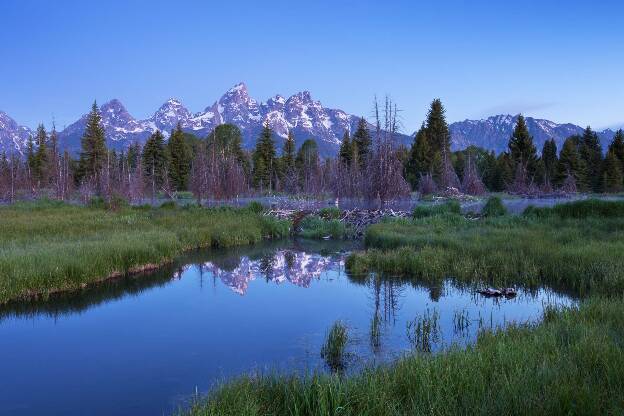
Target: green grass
column 48, row 247
column 424, row 211
column 570, row 363
column 494, row 207
column 330, row 213
column 546, row 246
column 315, row 227
column 333, row 350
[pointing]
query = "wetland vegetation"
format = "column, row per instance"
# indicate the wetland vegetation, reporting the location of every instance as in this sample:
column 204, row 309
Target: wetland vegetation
column 52, row 246
column 570, row 363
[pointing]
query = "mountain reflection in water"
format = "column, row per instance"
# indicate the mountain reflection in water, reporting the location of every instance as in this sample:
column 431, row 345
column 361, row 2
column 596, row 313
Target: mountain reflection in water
column 141, row 345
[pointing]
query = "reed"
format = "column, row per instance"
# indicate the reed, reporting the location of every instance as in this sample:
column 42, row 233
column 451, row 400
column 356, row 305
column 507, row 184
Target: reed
column 48, row 247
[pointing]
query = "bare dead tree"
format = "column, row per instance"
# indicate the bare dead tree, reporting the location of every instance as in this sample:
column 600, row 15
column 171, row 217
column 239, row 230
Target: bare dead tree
column 384, row 169
column 427, row 185
column 472, row 183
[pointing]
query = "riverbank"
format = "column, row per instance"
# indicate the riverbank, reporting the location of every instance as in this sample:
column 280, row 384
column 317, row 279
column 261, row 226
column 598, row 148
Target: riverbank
column 50, row 247
column 576, row 246
column 571, row 363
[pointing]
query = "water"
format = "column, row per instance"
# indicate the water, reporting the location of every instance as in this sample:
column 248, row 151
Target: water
column 143, row 345
column 514, row 205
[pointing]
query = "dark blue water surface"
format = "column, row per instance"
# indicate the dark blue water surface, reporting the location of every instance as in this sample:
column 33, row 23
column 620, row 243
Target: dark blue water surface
column 144, row 345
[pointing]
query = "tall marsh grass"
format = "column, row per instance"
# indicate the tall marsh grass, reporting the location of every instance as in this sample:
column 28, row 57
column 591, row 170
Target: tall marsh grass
column 47, row 247
column 333, row 350
column 572, row 246
column 572, row 363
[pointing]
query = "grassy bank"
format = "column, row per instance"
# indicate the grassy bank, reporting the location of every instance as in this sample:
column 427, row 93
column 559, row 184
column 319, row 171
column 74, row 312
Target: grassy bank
column 48, row 247
column 571, row 363
column 578, row 246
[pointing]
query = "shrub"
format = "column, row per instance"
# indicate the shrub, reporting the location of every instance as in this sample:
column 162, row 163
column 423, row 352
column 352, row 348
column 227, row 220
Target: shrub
column 494, row 207
column 579, row 209
column 97, row 202
column 255, row 206
column 315, row 227
column 423, row 211
column 169, row 205
column 330, row 213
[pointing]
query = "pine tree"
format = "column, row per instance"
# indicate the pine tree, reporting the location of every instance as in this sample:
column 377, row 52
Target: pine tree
column 288, row 153
column 40, row 158
column 179, row 159
column 504, row 173
column 549, row 160
column 612, row 179
column 488, row 169
column 591, row 154
column 420, row 162
column 438, row 134
column 571, row 164
column 134, row 153
column 307, row 163
column 346, row 149
column 521, row 148
column 30, row 156
column 93, row 148
column 264, row 159
column 617, row 147
column 362, row 141
column 154, row 161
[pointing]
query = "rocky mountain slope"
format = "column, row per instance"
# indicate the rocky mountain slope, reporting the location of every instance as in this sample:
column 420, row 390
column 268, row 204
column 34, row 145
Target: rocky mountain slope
column 493, row 133
column 301, row 114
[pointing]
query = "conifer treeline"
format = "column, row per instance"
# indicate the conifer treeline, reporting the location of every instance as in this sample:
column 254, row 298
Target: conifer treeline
column 579, row 167
column 368, row 165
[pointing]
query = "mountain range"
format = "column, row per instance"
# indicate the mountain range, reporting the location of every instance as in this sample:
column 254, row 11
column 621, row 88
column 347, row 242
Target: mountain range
column 302, row 115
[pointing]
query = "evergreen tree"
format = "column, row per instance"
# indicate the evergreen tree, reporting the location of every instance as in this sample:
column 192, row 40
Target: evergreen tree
column 179, row 159
column 226, row 140
column 549, row 160
column 288, row 153
column 420, row 161
column 459, row 164
column 488, row 170
column 93, row 147
column 570, row 163
column 361, row 140
column 264, row 159
column 154, row 161
column 504, row 172
column 521, row 148
column 134, row 153
column 346, row 149
column 617, row 147
column 30, row 156
column 438, row 134
column 591, row 154
column 40, row 159
column 612, row 179
column 307, row 163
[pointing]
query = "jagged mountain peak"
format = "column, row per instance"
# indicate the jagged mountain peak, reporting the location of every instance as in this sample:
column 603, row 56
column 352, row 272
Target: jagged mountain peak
column 304, row 97
column 493, row 133
column 298, row 114
column 13, row 137
column 169, row 114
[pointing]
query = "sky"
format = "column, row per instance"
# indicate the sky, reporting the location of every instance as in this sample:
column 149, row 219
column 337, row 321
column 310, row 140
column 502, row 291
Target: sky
column 562, row 61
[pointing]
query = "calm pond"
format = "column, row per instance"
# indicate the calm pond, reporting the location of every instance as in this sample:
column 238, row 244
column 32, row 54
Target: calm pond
column 145, row 345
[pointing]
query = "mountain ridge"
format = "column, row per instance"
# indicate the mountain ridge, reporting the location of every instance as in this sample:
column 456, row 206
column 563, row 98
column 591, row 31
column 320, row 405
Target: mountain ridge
column 299, row 113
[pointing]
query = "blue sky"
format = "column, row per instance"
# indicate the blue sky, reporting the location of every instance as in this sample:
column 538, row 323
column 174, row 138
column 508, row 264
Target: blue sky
column 558, row 60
